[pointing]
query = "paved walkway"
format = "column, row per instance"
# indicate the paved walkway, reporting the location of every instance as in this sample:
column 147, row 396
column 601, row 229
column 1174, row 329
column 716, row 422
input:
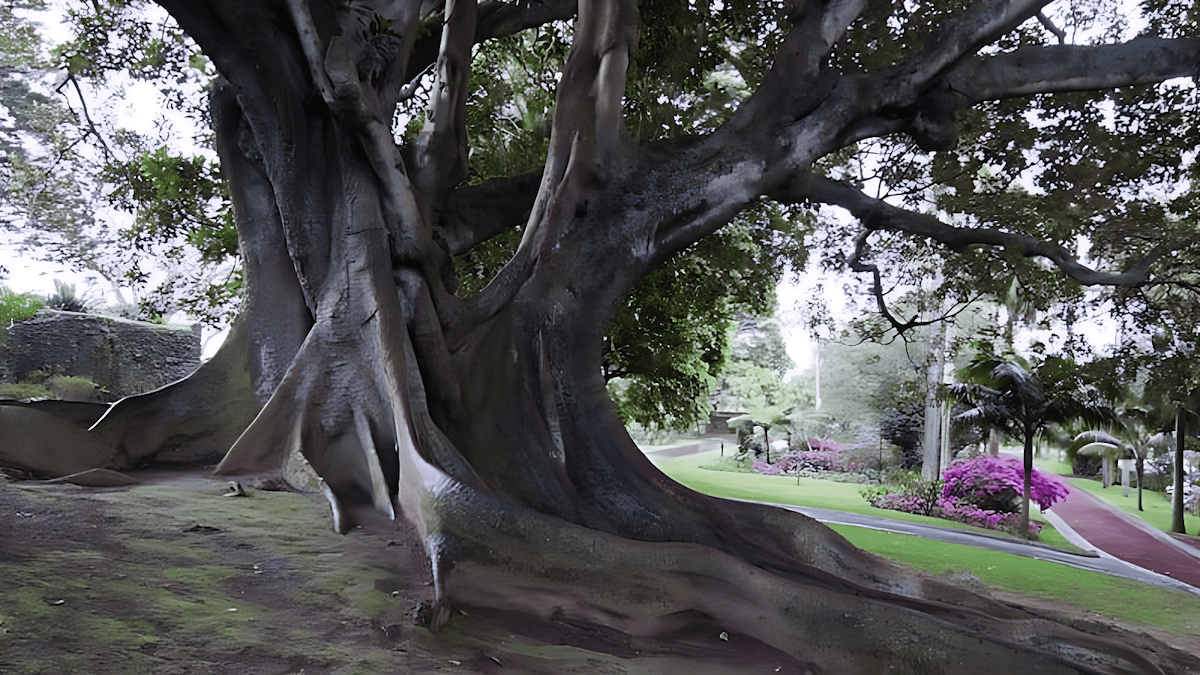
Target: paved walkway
column 1094, row 523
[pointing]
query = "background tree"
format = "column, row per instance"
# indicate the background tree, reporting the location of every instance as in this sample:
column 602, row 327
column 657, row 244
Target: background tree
column 483, row 417
column 83, row 190
column 1135, row 433
column 1023, row 403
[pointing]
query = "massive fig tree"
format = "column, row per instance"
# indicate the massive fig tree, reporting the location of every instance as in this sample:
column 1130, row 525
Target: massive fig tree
column 483, row 420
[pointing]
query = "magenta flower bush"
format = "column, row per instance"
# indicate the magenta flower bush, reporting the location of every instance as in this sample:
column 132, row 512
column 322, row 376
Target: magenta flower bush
column 984, row 491
column 989, row 482
column 824, row 456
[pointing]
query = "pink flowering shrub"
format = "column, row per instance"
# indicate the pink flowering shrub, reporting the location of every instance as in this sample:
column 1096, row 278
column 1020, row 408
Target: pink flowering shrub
column 824, row 456
column 984, row 492
column 992, row 483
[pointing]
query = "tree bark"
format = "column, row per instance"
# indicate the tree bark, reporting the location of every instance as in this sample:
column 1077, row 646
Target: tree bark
column 1177, row 524
column 1027, row 481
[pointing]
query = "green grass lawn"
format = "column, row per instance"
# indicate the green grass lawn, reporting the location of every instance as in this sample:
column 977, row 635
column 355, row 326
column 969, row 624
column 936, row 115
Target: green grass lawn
column 825, row 494
column 1121, row 599
column 1114, row 597
column 1157, row 504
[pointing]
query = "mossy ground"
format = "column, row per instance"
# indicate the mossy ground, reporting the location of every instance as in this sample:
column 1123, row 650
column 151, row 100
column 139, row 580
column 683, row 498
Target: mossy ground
column 170, row 577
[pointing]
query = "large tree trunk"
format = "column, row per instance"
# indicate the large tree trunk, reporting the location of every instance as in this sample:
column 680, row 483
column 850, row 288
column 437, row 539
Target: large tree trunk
column 485, row 421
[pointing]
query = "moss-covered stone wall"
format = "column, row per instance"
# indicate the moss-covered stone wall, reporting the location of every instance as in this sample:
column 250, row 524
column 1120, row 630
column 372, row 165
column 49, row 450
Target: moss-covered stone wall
column 123, row 357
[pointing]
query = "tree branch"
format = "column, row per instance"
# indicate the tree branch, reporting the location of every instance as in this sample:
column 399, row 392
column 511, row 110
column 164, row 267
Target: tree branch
column 857, row 265
column 961, row 36
column 495, row 20
column 1049, row 25
column 314, row 51
column 476, row 213
column 877, row 214
column 1062, row 68
column 587, row 138
column 440, row 151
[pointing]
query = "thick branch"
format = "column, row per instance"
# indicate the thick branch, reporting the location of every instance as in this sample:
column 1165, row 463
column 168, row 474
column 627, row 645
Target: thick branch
column 310, row 43
column 440, row 152
column 877, row 214
column 496, row 19
column 477, row 213
column 588, row 142
column 1062, row 68
column 961, row 37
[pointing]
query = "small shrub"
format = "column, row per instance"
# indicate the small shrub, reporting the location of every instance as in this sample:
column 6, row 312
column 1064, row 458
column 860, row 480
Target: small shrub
column 17, row 306
column 996, row 483
column 23, row 390
column 983, row 491
column 67, row 388
column 64, row 298
column 816, row 457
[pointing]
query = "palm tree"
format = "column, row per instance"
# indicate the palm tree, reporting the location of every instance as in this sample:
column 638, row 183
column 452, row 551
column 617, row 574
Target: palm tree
column 1023, row 403
column 1134, row 435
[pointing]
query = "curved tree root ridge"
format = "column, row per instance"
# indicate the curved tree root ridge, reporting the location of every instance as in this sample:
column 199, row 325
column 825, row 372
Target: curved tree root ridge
column 192, row 420
column 515, row 560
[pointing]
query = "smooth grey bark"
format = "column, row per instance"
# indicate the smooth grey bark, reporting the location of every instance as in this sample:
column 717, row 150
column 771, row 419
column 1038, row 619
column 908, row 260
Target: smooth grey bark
column 931, row 468
column 1177, row 522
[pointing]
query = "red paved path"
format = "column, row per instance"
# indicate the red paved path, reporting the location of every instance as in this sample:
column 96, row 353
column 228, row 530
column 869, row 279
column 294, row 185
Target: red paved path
column 1108, row 530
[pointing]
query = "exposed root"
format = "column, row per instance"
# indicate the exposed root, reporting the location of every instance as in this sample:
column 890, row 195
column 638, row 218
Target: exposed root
column 495, row 556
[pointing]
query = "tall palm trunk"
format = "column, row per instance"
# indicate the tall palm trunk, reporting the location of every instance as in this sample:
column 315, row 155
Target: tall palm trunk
column 1028, row 481
column 1177, row 498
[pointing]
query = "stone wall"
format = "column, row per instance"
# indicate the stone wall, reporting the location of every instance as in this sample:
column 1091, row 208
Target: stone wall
column 124, row 357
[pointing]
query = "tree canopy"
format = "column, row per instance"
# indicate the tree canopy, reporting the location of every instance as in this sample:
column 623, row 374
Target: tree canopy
column 480, row 413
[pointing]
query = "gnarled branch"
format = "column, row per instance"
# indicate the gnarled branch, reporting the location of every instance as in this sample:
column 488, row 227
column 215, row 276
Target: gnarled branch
column 440, row 151
column 476, row 213
column 877, row 214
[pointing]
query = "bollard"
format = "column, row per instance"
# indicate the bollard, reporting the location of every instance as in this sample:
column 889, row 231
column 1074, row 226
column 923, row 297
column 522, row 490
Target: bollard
column 1127, row 467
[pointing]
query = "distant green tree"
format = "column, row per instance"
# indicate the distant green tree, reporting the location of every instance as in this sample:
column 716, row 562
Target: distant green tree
column 1135, row 433
column 1022, row 401
column 68, row 162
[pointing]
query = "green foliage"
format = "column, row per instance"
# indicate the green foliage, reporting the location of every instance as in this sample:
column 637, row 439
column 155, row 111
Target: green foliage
column 23, row 390
column 512, row 97
column 64, row 298
column 696, row 61
column 73, row 388
column 174, row 197
column 20, row 43
column 1021, row 399
column 17, row 306
column 56, row 194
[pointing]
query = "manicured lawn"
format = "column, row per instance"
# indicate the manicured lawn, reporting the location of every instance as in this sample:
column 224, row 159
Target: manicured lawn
column 1111, row 596
column 1157, row 504
column 1121, row 599
column 810, row 492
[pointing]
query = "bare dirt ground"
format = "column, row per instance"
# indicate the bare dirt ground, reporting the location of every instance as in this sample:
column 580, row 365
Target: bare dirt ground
column 171, row 577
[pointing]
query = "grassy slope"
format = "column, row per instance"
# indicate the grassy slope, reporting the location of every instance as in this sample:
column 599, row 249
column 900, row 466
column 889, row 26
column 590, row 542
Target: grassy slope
column 1113, row 597
column 810, row 492
column 1110, row 596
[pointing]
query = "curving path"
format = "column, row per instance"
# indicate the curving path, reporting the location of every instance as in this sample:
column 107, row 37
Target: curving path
column 1108, row 529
